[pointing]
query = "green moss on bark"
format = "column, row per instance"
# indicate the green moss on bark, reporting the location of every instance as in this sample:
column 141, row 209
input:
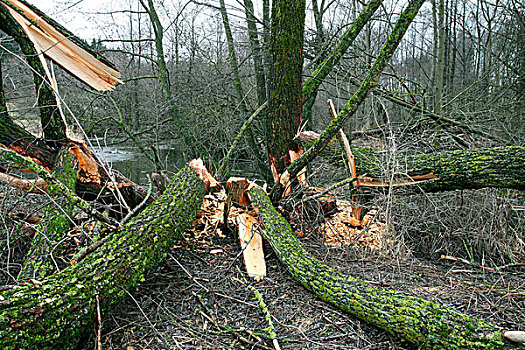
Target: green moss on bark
column 56, row 313
column 56, row 220
column 421, row 322
column 498, row 167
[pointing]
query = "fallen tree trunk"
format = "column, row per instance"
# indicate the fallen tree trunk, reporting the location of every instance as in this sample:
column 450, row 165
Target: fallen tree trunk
column 498, row 167
column 421, row 322
column 57, row 312
column 54, row 225
column 93, row 181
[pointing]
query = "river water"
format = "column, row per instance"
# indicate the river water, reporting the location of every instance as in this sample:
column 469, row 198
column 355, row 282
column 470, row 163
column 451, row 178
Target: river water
column 127, row 159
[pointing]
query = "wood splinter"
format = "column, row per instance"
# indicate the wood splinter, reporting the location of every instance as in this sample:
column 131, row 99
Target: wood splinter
column 252, row 246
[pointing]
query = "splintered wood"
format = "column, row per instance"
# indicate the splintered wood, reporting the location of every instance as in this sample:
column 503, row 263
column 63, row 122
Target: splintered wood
column 210, row 182
column 252, row 246
column 223, row 209
column 218, row 212
column 52, row 43
column 209, row 220
column 344, row 229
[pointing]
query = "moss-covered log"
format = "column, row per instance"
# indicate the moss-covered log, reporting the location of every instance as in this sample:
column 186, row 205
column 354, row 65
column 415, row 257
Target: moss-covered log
column 49, row 240
column 498, row 167
column 419, row 321
column 57, row 312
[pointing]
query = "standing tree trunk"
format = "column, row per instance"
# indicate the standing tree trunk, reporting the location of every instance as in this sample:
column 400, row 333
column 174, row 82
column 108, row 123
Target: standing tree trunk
column 440, row 79
column 284, row 100
column 237, row 81
column 233, row 57
column 266, row 36
column 57, row 313
column 3, row 103
column 163, row 74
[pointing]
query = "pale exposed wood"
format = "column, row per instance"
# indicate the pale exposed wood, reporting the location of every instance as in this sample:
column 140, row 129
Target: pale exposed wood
column 57, row 47
column 236, row 188
column 515, row 336
column 88, row 170
column 306, row 136
column 346, row 143
column 412, row 180
column 204, row 174
column 301, row 177
column 33, row 186
column 252, row 245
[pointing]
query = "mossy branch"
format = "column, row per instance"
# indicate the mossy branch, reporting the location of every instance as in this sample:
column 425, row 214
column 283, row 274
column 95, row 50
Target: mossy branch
column 386, row 53
column 311, row 85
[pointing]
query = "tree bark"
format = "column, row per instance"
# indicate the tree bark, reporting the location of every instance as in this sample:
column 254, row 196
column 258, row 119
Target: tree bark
column 440, row 58
column 57, row 312
column 497, row 167
column 257, row 53
column 233, row 57
column 237, row 79
column 284, row 100
column 419, row 321
column 3, row 104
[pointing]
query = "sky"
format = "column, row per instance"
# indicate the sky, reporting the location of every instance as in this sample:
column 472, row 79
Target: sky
column 79, row 16
column 86, row 19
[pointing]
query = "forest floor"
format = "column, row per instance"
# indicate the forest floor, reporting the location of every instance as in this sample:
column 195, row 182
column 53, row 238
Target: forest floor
column 198, row 297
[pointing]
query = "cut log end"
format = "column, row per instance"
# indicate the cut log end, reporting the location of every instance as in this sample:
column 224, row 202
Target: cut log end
column 236, row 187
column 515, row 336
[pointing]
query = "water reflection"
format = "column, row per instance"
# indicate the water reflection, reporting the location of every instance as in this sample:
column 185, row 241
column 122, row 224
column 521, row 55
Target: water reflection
column 127, row 159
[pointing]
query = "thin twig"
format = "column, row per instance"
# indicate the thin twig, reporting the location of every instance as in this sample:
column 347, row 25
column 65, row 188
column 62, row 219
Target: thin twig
column 331, row 188
column 99, row 328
